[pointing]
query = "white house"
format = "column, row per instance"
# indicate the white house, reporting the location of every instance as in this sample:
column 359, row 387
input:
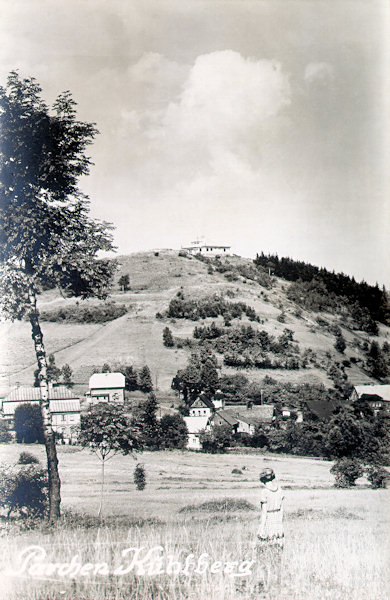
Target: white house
column 195, row 425
column 107, row 387
column 202, row 407
column 200, row 247
column 64, row 406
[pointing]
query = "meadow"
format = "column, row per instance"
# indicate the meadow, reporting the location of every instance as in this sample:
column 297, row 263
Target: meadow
column 336, row 540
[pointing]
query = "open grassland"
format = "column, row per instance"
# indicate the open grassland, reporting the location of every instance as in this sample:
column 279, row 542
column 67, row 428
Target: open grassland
column 336, row 540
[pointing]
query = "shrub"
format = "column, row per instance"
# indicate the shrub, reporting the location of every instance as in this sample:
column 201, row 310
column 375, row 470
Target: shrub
column 236, row 472
column 168, row 338
column 140, row 477
column 5, row 434
column 346, row 471
column 86, row 314
column 377, row 476
column 24, row 490
column 26, row 458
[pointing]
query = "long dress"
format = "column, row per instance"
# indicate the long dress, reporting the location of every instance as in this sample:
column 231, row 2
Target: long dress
column 270, row 538
column 272, row 501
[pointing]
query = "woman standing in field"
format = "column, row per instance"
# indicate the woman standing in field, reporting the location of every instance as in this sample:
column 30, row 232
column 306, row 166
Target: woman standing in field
column 270, row 534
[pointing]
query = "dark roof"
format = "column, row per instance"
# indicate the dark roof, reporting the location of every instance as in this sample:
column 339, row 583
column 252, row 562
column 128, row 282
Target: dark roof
column 381, row 390
column 226, row 416
column 27, row 394
column 323, row 409
column 259, row 413
column 203, row 399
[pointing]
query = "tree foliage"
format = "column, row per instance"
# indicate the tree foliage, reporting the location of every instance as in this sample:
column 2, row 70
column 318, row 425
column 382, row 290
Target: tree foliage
column 47, row 237
column 106, row 430
column 124, row 282
column 28, row 424
column 174, row 432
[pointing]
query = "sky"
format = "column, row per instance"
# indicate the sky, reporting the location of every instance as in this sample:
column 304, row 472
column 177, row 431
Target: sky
column 263, row 125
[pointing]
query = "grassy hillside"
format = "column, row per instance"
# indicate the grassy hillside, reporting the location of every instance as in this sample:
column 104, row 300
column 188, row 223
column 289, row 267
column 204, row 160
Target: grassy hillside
column 136, row 337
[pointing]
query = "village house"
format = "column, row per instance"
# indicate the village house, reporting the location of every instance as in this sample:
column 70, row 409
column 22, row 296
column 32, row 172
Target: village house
column 106, row 387
column 64, row 406
column 376, row 396
column 250, row 416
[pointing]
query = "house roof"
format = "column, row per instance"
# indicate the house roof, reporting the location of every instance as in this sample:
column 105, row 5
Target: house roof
column 323, row 409
column 226, row 416
column 28, row 394
column 62, row 406
column 259, row 413
column 383, row 391
column 56, row 406
column 106, row 381
column 203, row 400
column 196, row 424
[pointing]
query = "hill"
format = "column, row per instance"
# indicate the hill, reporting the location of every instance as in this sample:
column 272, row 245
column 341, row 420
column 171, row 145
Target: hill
column 135, row 338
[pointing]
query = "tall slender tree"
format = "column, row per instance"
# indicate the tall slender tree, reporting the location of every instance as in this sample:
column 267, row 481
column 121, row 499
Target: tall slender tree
column 47, row 237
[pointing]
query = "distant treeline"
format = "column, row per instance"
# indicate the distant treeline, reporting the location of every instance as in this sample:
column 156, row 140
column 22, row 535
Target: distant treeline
column 372, row 298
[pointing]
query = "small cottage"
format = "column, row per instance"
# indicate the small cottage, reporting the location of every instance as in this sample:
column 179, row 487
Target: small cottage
column 106, row 387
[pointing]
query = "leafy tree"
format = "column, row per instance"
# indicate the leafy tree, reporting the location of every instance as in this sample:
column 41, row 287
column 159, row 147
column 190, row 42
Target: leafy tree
column 145, row 383
column 53, row 372
column 28, row 424
column 145, row 416
column 47, row 236
column 130, row 374
column 217, row 439
column 124, row 283
column 66, row 375
column 168, row 340
column 174, row 432
column 209, row 375
column 106, row 431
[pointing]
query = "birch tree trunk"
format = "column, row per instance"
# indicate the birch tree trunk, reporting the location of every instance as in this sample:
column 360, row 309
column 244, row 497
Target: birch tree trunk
column 49, row 436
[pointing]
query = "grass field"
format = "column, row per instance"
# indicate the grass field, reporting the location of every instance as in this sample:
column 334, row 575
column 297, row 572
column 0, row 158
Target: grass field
column 336, row 540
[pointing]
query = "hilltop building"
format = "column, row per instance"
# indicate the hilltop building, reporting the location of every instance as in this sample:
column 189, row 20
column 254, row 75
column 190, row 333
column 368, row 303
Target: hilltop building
column 201, row 247
column 106, row 387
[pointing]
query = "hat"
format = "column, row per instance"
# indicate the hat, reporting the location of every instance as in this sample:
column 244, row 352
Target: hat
column 267, row 475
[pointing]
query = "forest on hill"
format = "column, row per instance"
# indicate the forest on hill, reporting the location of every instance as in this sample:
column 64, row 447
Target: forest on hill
column 320, row 289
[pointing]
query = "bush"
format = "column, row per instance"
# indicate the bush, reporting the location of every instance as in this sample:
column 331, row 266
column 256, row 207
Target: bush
column 140, row 477
column 86, row 314
column 26, row 458
column 5, row 434
column 377, row 476
column 168, row 338
column 24, row 490
column 346, row 471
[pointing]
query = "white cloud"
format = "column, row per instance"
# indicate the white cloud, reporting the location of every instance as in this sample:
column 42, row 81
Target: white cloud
column 226, row 98
column 319, row 73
